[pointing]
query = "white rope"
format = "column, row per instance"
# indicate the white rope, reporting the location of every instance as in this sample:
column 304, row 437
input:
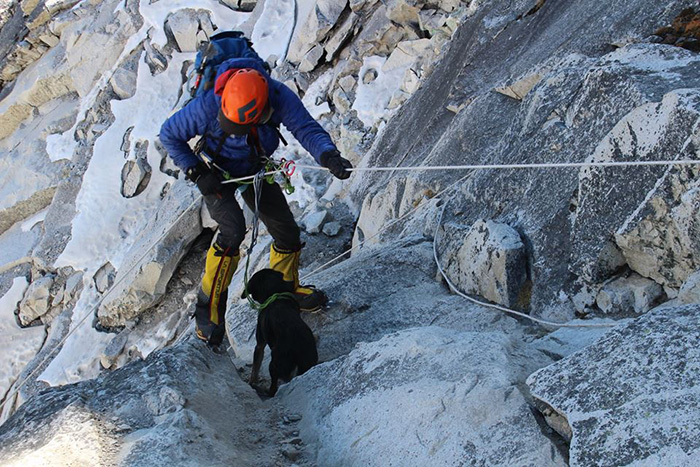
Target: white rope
column 14, row 392
column 323, row 266
column 473, row 167
column 546, row 165
column 499, row 307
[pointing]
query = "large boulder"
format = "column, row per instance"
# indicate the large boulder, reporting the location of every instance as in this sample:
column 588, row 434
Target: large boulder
column 632, row 295
column 165, row 410
column 633, row 395
column 141, row 280
column 491, row 262
column 426, row 396
column 184, row 25
column 37, row 300
column 313, row 28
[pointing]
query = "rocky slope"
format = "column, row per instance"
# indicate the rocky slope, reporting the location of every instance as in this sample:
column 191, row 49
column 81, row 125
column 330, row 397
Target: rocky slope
column 411, row 374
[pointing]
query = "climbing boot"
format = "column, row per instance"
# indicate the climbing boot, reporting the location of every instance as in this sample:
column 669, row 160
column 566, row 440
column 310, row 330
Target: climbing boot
column 210, row 310
column 287, row 262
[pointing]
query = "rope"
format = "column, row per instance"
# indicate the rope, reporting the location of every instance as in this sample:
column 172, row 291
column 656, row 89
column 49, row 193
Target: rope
column 257, row 177
column 547, row 165
column 14, row 392
column 474, row 167
column 257, row 182
column 499, row 307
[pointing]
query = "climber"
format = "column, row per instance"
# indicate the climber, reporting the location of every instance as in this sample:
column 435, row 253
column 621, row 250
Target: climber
column 238, row 121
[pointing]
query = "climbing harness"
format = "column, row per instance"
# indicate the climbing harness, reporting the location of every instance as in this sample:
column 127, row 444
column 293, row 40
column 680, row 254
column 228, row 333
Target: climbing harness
column 274, row 171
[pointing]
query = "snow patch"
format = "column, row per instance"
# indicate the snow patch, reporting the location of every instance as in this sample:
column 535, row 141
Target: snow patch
column 107, row 223
column 372, row 98
column 274, row 28
column 79, row 358
column 34, row 220
column 18, row 345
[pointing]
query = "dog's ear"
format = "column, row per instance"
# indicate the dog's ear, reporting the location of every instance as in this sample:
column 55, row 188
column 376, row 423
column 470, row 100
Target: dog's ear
column 279, row 284
column 252, row 285
column 288, row 286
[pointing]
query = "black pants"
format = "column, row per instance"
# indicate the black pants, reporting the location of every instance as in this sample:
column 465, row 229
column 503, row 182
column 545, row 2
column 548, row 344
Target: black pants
column 274, row 213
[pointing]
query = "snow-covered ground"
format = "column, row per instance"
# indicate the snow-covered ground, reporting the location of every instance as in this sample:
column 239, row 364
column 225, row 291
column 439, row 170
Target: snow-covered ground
column 18, row 345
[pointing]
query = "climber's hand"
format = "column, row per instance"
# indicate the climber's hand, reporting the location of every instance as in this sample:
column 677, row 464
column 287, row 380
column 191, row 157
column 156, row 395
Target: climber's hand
column 337, row 164
column 206, row 180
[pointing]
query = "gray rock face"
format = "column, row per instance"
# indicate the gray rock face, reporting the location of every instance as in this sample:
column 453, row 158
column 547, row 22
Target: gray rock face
column 491, row 262
column 141, row 280
column 655, row 220
column 628, row 296
column 155, row 410
column 633, row 394
column 455, row 394
column 577, row 104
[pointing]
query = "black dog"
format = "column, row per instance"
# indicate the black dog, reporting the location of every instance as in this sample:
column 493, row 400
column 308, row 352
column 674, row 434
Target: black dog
column 280, row 326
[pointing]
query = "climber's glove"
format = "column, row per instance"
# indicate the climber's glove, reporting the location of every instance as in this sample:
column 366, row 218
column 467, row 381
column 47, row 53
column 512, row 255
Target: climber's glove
column 206, row 180
column 333, row 161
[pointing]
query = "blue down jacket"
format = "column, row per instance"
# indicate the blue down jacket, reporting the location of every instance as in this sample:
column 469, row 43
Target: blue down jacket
column 199, row 117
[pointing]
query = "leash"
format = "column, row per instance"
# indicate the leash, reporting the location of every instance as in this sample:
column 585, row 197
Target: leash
column 257, row 180
column 257, row 186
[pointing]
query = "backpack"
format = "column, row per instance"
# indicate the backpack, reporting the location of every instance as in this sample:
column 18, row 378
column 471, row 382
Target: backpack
column 212, row 53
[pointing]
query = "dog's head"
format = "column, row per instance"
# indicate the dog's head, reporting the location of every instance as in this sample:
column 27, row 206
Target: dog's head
column 266, row 283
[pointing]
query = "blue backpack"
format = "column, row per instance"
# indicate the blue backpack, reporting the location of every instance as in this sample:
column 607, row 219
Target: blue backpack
column 219, row 48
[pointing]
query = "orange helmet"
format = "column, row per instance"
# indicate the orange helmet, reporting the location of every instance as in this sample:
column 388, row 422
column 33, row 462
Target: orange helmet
column 244, row 103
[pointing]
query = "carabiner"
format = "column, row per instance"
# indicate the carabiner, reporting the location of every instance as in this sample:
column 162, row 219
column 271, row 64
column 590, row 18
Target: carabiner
column 289, row 167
